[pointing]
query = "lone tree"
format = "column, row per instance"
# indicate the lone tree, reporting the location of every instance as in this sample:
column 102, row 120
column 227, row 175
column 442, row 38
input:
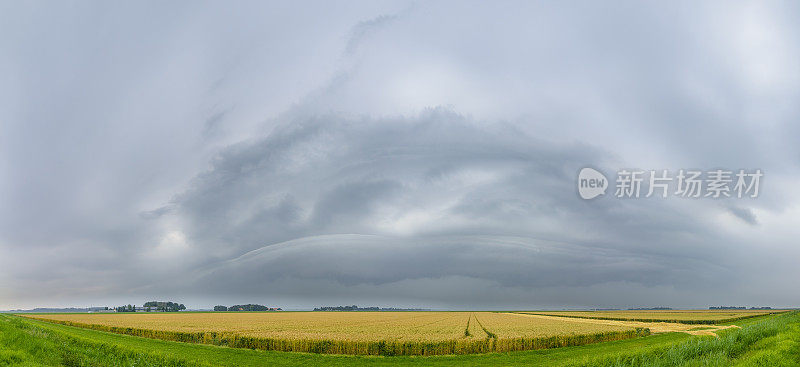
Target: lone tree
column 220, row 308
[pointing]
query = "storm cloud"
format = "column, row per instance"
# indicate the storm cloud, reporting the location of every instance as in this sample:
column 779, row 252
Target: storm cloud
column 394, row 154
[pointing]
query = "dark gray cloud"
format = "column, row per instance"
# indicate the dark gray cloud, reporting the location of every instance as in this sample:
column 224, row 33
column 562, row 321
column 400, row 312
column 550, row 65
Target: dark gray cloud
column 433, row 198
column 393, row 153
column 744, row 214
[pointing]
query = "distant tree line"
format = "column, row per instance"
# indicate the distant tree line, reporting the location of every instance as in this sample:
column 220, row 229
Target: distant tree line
column 356, row 308
column 737, row 308
column 247, row 307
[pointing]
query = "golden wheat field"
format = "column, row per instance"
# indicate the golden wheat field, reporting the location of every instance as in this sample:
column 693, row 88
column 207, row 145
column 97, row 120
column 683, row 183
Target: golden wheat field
column 682, row 316
column 356, row 326
column 365, row 333
column 509, row 325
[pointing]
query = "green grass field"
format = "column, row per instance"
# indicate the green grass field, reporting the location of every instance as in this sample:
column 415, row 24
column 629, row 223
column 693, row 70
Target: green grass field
column 763, row 341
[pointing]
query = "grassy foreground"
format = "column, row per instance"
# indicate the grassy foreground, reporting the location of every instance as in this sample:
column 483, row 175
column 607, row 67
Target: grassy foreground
column 767, row 341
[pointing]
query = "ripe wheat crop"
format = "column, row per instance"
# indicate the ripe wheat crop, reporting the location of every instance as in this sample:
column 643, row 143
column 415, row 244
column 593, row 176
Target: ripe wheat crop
column 674, row 316
column 364, row 333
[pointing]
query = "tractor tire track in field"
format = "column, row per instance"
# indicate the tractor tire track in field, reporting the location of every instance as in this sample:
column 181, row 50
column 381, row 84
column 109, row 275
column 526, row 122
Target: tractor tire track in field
column 489, row 334
column 473, row 329
column 655, row 327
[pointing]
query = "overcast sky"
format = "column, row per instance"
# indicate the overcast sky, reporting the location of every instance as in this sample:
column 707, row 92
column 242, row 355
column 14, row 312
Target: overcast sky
column 404, row 154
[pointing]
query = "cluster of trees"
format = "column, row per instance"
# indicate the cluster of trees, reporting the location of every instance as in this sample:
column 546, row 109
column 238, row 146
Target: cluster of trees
column 128, row 308
column 153, row 306
column 247, row 307
column 163, row 306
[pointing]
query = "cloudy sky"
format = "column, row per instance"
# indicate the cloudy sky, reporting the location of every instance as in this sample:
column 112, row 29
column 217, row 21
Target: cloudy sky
column 413, row 154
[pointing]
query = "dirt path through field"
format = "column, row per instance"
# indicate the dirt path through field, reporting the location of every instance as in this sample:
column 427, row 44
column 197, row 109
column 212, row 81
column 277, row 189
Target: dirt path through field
column 655, row 327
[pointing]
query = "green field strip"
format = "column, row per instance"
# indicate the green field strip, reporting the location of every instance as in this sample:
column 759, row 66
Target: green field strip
column 675, row 321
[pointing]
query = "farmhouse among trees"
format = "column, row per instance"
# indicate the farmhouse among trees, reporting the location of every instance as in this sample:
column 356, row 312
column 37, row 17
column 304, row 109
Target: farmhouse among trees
column 164, row 306
column 153, row 306
column 128, row 308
